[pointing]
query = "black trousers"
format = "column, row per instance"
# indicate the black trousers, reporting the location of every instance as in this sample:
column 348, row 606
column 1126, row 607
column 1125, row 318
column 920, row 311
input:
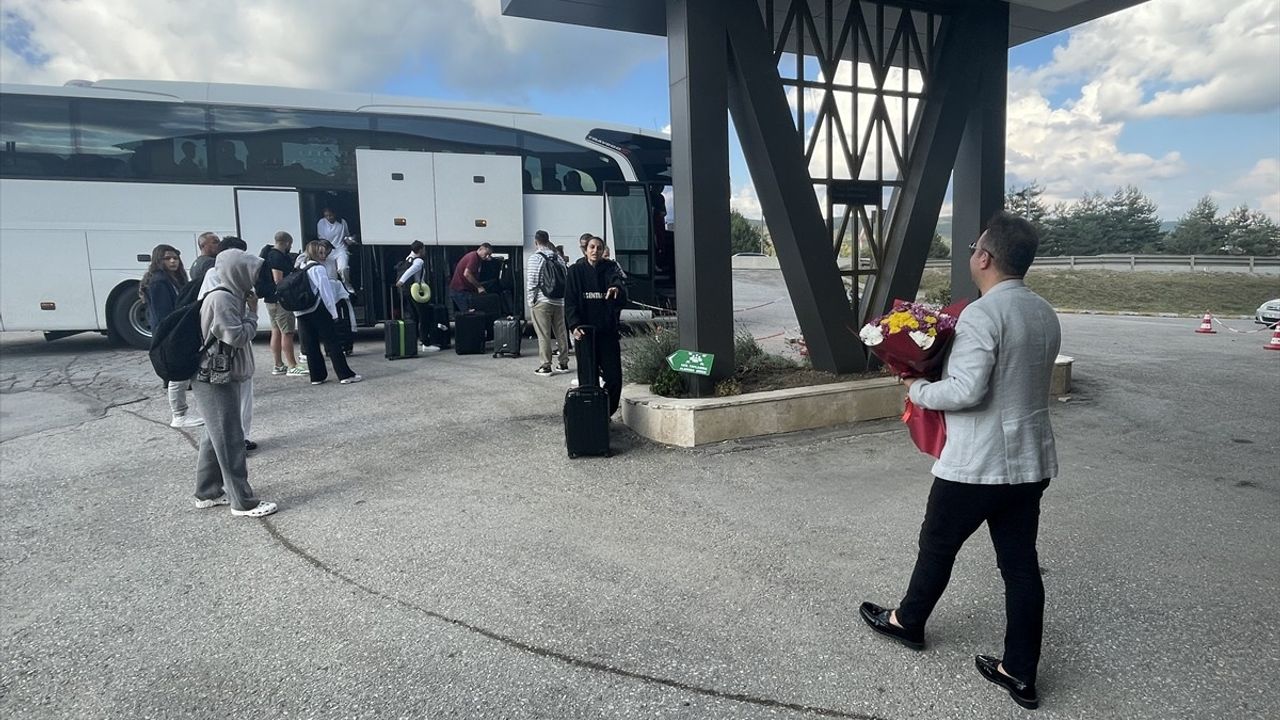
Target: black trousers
column 609, row 361
column 603, row 350
column 423, row 316
column 316, row 328
column 1012, row 514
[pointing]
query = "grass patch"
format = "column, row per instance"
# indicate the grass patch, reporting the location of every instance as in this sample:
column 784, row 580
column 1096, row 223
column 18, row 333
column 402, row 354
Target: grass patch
column 1143, row 292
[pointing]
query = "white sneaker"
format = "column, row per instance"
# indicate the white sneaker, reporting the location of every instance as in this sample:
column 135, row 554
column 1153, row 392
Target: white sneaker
column 430, row 348
column 262, row 509
column 298, row 371
column 352, row 379
column 203, row 504
column 186, row 421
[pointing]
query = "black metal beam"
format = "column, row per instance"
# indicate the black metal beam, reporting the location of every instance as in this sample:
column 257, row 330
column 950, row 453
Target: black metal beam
column 775, row 156
column 978, row 188
column 698, row 59
column 935, row 140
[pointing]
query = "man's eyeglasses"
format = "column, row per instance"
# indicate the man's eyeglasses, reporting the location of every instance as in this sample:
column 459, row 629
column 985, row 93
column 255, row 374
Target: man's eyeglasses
column 973, row 248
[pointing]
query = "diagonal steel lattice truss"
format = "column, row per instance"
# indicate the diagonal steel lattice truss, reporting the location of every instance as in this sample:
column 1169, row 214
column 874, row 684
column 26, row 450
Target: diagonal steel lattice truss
column 857, row 75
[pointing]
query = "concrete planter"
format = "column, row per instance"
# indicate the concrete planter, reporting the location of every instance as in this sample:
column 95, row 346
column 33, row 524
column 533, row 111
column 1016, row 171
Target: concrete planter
column 688, row 422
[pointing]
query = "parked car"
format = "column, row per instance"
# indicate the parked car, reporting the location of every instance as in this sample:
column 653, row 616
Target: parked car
column 1268, row 312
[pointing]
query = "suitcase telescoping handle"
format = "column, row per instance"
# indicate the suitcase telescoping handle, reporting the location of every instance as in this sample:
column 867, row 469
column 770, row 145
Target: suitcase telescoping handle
column 585, row 355
column 391, row 303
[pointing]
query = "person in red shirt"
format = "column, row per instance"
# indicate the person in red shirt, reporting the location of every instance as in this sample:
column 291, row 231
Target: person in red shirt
column 466, row 277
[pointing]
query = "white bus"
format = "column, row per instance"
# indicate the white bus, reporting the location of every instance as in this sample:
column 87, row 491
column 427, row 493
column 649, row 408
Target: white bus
column 93, row 175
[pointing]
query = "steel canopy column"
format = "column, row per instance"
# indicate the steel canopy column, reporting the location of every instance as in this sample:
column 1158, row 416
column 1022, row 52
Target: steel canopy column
column 698, row 60
column 935, row 141
column 776, row 159
column 978, row 191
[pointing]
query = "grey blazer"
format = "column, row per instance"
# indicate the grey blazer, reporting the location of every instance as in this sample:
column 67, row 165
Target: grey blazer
column 995, row 390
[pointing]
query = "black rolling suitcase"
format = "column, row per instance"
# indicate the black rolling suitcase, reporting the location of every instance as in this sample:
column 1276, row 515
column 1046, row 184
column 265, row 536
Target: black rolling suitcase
column 342, row 327
column 439, row 333
column 469, row 332
column 508, row 333
column 401, row 336
column 586, row 407
column 490, row 305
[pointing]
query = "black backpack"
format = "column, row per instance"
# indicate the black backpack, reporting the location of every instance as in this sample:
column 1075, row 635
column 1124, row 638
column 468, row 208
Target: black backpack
column 552, row 280
column 176, row 345
column 294, row 292
column 265, row 285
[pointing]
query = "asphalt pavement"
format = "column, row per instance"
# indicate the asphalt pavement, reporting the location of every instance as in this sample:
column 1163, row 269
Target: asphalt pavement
column 437, row 555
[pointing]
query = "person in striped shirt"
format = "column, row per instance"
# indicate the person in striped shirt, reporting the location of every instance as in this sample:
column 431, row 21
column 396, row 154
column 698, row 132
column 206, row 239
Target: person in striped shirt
column 545, row 276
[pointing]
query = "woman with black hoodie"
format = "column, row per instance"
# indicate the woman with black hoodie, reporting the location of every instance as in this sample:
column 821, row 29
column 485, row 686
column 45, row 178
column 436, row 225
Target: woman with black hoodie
column 595, row 293
column 164, row 279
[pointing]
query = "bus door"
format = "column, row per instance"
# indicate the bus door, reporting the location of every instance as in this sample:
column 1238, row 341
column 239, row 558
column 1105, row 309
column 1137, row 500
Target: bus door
column 628, row 222
column 261, row 213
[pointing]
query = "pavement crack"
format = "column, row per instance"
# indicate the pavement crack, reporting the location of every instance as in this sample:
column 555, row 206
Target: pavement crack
column 549, row 653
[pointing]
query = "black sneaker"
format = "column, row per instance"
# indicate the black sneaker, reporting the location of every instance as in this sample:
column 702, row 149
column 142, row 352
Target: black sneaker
column 544, row 370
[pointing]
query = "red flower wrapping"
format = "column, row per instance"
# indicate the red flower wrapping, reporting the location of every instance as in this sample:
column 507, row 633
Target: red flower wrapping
column 928, row 428
column 902, row 355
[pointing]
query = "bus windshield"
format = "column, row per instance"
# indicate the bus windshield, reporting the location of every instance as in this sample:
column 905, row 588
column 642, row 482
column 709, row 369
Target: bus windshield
column 649, row 156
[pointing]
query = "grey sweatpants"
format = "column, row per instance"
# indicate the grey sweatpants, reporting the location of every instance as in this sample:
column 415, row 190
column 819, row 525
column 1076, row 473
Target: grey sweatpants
column 221, row 464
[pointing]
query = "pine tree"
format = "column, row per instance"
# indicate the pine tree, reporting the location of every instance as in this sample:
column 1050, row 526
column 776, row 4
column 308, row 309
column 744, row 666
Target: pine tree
column 1250, row 232
column 1026, row 202
column 1133, row 225
column 938, row 249
column 1199, row 231
column 744, row 236
column 1084, row 227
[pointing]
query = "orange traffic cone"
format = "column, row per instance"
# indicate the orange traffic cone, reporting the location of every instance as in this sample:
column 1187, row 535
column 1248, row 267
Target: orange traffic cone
column 1275, row 340
column 1206, row 325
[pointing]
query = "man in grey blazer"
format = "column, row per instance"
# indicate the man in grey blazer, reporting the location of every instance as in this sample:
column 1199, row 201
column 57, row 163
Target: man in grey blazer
column 998, row 458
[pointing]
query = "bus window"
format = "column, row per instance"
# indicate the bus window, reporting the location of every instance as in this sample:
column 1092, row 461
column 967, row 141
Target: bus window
column 288, row 147
column 230, row 159
column 35, row 136
column 135, row 140
column 560, row 167
column 649, row 156
column 190, row 157
column 426, row 134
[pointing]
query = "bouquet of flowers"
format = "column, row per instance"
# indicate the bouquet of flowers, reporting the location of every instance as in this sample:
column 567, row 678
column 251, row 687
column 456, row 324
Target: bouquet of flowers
column 912, row 340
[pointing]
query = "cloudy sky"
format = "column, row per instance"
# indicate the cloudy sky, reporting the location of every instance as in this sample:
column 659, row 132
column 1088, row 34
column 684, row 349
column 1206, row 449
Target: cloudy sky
column 1178, row 97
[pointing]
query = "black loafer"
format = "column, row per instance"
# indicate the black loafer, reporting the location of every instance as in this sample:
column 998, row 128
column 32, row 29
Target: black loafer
column 250, row 446
column 877, row 618
column 1022, row 693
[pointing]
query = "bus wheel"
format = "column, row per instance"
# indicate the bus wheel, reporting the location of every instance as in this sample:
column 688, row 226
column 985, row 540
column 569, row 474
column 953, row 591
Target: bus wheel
column 129, row 318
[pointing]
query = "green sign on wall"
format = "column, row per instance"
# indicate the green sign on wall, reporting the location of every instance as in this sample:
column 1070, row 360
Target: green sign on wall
column 689, row 361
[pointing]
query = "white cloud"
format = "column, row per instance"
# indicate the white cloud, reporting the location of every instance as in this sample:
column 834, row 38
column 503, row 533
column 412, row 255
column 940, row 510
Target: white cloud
column 745, row 201
column 844, row 102
column 315, row 44
column 1071, row 149
column 1175, row 58
column 1259, row 189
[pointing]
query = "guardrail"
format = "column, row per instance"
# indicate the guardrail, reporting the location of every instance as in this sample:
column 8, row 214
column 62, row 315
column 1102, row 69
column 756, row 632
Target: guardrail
column 1155, row 263
column 1142, row 263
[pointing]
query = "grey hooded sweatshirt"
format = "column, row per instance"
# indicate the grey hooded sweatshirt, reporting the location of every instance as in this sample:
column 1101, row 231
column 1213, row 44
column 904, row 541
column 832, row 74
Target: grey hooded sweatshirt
column 225, row 316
